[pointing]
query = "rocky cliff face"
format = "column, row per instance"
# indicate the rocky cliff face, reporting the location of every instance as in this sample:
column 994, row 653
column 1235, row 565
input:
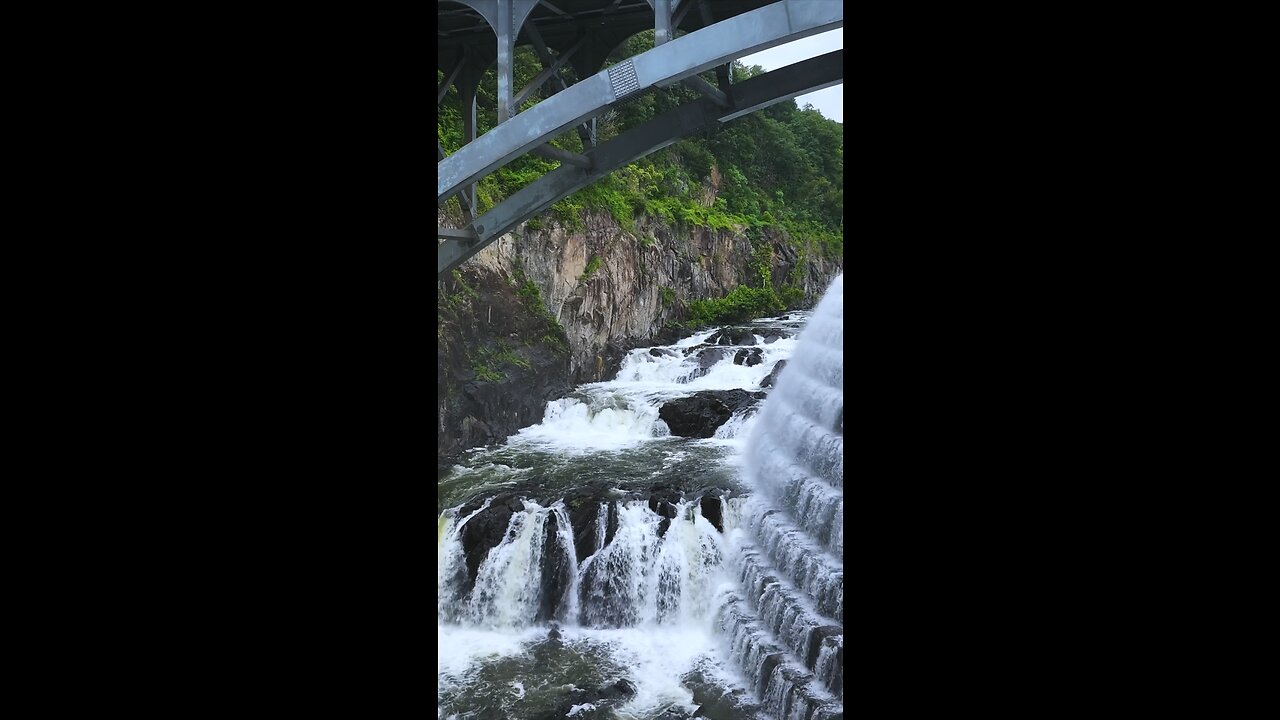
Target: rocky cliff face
column 600, row 291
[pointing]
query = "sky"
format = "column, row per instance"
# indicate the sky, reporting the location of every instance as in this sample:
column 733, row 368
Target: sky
column 829, row 102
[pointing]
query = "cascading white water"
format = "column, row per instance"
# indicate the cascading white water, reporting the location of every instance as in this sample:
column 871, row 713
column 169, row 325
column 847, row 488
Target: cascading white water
column 651, row 583
column 509, row 582
column 644, row 577
column 564, row 534
column 787, row 632
column 623, row 412
column 450, row 570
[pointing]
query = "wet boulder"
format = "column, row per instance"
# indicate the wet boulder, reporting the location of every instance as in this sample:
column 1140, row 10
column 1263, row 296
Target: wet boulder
column 593, row 703
column 697, row 416
column 663, row 500
column 737, row 400
column 713, row 511
column 749, row 357
column 773, row 374
column 584, row 505
column 483, row 532
column 621, row 689
column 732, row 336
column 557, row 575
column 716, row 702
column 708, row 355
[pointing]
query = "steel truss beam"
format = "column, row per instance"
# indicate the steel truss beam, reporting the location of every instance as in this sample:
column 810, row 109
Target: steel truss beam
column 750, row 95
column 544, row 56
column 670, row 63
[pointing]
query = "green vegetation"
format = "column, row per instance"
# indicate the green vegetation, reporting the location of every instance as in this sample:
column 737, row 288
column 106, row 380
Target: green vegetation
column 781, row 167
column 779, row 170
column 743, row 303
column 462, row 294
column 487, row 363
column 528, row 292
column 667, row 295
column 592, row 266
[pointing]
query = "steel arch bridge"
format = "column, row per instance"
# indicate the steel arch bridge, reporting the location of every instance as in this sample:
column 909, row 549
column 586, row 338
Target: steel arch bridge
column 582, row 33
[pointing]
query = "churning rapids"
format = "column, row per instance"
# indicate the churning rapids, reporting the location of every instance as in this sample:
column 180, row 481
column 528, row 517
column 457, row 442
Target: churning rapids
column 666, row 543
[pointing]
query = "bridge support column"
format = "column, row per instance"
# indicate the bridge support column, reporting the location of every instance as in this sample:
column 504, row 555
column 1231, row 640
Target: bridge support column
column 509, row 18
column 467, row 87
column 661, row 22
column 724, row 78
column 506, row 49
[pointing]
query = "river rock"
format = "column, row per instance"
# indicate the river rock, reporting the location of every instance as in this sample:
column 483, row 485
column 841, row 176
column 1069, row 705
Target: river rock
column 584, row 507
column 732, row 336
column 557, row 576
column 713, row 511
column 773, row 374
column 715, row 702
column 663, row 500
column 696, row 416
column 483, row 532
column 624, row 688
column 737, row 400
column 749, row 357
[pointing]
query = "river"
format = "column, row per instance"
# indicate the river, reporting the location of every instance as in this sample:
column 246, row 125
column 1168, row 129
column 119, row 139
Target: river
column 597, row 566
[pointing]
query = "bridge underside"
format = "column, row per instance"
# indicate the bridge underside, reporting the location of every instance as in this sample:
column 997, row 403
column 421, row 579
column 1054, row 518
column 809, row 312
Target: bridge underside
column 585, row 32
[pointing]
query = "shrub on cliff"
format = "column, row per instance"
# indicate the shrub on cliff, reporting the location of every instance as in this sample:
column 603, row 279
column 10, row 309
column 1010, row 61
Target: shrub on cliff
column 743, row 303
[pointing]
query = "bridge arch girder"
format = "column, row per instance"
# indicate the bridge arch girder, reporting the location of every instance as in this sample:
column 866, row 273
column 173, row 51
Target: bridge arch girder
column 750, row 95
column 715, row 44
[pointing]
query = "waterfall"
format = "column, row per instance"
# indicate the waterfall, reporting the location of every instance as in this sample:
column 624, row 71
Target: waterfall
column 597, row 548
column 450, row 568
column 786, row 629
column 656, row 570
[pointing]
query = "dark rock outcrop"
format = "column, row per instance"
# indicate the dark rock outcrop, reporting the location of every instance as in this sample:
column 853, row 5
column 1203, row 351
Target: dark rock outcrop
column 624, row 688
column 557, row 575
column 773, row 374
column 702, row 413
column 603, row 698
column 708, row 355
column 483, row 532
column 584, row 508
column 732, row 336
column 697, row 416
column 717, row 703
column 749, row 357
column 737, row 400
column 496, row 372
column 712, row 511
column 663, row 500
column 524, row 291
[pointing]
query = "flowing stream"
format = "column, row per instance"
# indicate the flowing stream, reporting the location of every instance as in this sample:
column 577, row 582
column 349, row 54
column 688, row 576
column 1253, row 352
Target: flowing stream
column 596, row 565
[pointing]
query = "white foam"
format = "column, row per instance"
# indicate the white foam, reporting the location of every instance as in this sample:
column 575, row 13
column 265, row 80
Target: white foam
column 461, row 648
column 656, row 658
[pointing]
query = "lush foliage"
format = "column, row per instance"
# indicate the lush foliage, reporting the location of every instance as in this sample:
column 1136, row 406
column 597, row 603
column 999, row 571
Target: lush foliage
column 743, row 303
column 488, row 363
column 780, row 168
